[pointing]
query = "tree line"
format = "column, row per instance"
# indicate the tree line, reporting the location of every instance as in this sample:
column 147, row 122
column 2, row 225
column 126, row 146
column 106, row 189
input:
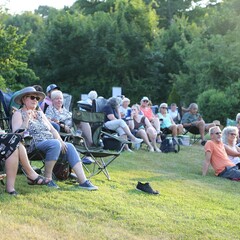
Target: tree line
column 168, row 50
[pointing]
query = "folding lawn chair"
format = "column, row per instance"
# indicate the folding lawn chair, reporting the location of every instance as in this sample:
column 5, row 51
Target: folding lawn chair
column 102, row 157
column 6, row 105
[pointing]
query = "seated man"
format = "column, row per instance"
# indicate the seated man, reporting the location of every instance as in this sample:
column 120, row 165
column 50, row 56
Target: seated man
column 174, row 113
column 194, row 123
column 216, row 155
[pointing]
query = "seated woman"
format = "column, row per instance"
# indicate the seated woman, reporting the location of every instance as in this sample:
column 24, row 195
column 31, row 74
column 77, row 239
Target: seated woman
column 142, row 128
column 229, row 138
column 124, row 109
column 60, row 115
column 45, row 137
column 147, row 112
column 166, row 122
column 12, row 151
column 114, row 122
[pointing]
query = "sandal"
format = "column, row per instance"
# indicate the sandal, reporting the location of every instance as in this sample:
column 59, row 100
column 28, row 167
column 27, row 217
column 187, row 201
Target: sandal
column 36, row 181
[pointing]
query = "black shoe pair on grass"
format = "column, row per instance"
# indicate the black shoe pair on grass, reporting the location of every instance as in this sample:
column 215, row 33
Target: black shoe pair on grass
column 145, row 187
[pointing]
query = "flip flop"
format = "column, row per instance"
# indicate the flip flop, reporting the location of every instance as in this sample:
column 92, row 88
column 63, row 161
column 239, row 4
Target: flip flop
column 36, row 181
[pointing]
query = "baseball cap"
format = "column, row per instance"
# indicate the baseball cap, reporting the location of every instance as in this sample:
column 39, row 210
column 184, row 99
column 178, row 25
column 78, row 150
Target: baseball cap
column 52, row 87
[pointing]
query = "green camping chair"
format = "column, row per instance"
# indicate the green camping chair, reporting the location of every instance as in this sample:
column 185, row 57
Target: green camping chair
column 102, row 157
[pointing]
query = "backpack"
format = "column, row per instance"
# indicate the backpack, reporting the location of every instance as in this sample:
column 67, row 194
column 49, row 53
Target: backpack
column 61, row 169
column 169, row 145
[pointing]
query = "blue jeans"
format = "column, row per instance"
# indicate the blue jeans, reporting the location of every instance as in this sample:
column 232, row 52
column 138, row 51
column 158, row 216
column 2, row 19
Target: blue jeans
column 230, row 173
column 52, row 149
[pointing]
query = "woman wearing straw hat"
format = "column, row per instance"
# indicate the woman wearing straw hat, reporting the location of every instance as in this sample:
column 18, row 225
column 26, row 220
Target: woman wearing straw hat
column 45, row 137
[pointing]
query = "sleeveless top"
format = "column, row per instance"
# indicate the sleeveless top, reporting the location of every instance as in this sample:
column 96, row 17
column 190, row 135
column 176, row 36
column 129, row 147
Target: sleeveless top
column 37, row 129
column 139, row 125
column 166, row 123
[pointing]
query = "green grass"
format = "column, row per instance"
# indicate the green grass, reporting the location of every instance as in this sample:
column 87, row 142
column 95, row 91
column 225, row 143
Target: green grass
column 189, row 206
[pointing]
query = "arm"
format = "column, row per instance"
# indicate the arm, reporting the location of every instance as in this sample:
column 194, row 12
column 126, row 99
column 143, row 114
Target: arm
column 231, row 152
column 206, row 163
column 19, row 122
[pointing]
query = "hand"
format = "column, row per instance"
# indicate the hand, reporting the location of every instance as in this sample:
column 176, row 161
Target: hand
column 64, row 147
column 30, row 115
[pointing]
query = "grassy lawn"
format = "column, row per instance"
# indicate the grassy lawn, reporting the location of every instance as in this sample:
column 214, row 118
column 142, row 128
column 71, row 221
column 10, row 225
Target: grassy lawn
column 189, row 206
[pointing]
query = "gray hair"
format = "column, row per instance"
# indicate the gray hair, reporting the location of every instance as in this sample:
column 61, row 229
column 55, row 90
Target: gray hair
column 211, row 130
column 193, row 105
column 226, row 131
column 114, row 101
column 92, row 95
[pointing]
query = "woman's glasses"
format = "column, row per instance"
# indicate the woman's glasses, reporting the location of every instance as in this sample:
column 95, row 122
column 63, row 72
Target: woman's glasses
column 233, row 134
column 33, row 98
column 146, row 101
column 218, row 133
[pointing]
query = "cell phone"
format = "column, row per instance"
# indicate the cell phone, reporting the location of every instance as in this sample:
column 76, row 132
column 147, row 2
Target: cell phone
column 20, row 130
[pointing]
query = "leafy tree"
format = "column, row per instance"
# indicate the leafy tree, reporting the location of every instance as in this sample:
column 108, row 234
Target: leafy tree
column 13, row 58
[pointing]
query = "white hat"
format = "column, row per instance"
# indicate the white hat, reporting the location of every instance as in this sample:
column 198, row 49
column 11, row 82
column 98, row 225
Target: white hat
column 27, row 91
column 145, row 99
column 163, row 105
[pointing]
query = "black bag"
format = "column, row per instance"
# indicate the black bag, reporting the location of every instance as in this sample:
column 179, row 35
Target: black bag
column 61, row 169
column 169, row 145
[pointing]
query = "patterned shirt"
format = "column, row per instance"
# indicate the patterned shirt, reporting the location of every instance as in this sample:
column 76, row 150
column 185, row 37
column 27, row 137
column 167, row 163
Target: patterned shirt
column 63, row 116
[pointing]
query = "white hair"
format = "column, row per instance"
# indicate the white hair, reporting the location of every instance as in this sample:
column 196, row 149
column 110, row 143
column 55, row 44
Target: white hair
column 56, row 93
column 92, row 95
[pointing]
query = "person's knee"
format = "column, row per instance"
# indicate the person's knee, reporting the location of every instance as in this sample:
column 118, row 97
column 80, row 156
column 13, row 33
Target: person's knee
column 122, row 123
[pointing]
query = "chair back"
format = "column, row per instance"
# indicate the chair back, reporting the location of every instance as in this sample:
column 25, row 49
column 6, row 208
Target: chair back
column 98, row 104
column 95, row 119
column 5, row 99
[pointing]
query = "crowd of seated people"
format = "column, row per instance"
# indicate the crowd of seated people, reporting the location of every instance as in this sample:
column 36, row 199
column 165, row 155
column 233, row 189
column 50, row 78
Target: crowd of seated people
column 137, row 123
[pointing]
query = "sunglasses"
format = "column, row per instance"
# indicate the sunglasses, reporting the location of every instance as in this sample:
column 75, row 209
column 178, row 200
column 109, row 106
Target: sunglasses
column 164, row 107
column 33, row 98
column 145, row 100
column 218, row 133
column 233, row 134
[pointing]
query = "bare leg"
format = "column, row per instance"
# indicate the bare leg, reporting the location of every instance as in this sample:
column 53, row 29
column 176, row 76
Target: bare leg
column 87, row 133
column 48, row 168
column 152, row 134
column 142, row 134
column 78, row 169
column 179, row 129
column 201, row 127
column 173, row 128
column 156, row 124
column 11, row 165
column 25, row 163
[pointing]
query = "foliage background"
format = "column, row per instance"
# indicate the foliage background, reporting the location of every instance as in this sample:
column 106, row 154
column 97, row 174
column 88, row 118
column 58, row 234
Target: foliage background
column 166, row 50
